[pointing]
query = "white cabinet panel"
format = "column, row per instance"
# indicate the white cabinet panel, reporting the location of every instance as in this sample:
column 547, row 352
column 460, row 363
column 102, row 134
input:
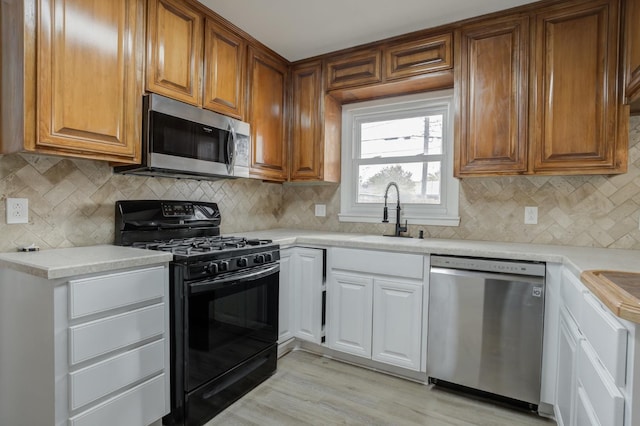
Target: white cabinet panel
column 607, row 336
column 350, row 308
column 307, row 291
column 571, row 292
column 397, row 323
column 105, row 335
column 140, row 405
column 379, row 262
column 569, row 338
column 102, row 293
column 605, row 399
column 100, row 379
column 286, row 301
column 584, row 412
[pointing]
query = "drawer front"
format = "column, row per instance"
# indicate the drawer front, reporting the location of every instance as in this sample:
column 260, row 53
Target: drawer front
column 140, row 405
column 99, row 294
column 354, row 70
column 105, row 377
column 604, row 398
column 418, row 57
column 105, row 335
column 607, row 337
column 378, row 262
column 571, row 291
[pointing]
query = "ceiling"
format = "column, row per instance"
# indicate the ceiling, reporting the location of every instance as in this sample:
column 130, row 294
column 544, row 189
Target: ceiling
column 299, row 29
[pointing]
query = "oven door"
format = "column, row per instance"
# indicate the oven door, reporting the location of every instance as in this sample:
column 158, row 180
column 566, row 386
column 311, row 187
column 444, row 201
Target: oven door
column 229, row 319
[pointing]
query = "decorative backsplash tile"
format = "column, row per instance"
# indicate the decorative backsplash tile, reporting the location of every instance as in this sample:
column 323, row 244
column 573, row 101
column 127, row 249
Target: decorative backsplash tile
column 594, row 211
column 71, row 203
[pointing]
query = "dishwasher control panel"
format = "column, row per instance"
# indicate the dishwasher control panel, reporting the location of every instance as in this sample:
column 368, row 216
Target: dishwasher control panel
column 499, row 266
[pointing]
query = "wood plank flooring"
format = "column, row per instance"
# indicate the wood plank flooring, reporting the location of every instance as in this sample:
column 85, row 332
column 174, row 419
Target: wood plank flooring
column 311, row 390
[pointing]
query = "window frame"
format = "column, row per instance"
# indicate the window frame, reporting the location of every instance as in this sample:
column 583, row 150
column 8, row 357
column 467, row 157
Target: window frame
column 443, row 214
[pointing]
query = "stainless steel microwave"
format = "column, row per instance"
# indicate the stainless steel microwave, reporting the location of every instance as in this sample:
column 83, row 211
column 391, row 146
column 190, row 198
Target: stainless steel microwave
column 183, row 141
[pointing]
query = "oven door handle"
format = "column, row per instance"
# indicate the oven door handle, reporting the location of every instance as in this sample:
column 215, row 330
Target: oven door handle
column 239, row 278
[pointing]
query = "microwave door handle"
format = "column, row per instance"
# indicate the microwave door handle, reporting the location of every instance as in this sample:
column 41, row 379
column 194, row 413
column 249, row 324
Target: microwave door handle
column 231, row 149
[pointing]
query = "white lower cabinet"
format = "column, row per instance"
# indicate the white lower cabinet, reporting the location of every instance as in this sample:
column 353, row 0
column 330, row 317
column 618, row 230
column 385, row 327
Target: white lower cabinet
column 397, row 320
column 372, row 314
column 350, row 309
column 592, row 361
column 301, row 288
column 91, row 351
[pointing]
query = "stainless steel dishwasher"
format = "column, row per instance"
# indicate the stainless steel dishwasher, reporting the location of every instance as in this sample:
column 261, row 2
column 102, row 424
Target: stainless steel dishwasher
column 485, row 327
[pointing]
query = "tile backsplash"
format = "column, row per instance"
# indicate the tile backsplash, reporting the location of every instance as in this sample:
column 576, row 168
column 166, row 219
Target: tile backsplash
column 71, row 203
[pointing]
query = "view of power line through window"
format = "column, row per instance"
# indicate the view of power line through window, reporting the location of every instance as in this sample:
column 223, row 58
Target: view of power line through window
column 406, row 150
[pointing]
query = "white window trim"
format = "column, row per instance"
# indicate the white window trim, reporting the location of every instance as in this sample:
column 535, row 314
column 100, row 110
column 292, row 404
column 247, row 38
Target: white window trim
column 416, row 214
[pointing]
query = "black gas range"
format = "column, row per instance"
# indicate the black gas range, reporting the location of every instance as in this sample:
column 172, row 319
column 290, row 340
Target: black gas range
column 224, row 302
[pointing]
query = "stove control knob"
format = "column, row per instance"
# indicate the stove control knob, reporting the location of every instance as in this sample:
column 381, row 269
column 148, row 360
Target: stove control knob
column 212, row 268
column 259, row 258
column 243, row 262
column 268, row 257
column 224, row 265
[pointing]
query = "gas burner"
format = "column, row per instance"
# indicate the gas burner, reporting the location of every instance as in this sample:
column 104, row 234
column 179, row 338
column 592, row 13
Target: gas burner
column 199, row 245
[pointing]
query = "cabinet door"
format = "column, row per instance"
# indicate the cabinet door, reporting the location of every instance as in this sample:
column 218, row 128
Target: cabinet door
column 632, row 50
column 397, row 323
column 266, row 103
column 307, row 291
column 349, row 310
column 90, row 78
column 492, row 90
column 354, row 69
column 174, row 50
column 286, row 301
column 306, row 111
column 415, row 57
column 224, row 62
column 568, row 339
column 575, row 101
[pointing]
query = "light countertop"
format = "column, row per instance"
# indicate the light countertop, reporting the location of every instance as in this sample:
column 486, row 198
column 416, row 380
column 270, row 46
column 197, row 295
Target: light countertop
column 577, row 259
column 68, row 262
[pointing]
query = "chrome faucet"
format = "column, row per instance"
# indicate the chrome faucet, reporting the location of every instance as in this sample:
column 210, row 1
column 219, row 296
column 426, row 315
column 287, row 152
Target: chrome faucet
column 385, row 212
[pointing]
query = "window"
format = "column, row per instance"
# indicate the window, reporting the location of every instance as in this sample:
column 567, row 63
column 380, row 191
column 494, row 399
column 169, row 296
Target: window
column 407, row 140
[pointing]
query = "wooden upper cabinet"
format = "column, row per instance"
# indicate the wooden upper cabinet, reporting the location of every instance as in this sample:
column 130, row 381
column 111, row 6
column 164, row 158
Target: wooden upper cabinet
column 315, row 122
column 224, row 63
column 89, row 79
column 354, row 69
column 492, row 91
column 632, row 50
column 174, row 50
column 416, row 57
column 575, row 107
column 267, row 114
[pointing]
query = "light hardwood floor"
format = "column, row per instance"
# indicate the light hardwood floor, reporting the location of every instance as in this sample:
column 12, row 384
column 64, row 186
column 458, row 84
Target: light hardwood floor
column 311, row 390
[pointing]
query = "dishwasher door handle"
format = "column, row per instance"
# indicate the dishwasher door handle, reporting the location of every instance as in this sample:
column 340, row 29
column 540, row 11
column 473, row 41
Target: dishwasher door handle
column 487, row 275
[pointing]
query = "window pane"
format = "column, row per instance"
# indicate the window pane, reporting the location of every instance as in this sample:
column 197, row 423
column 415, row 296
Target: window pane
column 401, row 137
column 419, row 183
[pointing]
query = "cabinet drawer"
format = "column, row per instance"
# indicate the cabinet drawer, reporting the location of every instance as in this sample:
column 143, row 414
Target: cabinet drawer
column 418, row 57
column 140, row 405
column 378, row 262
column 98, row 380
column 105, row 335
column 354, row 69
column 99, row 294
column 603, row 397
column 571, row 291
column 607, row 337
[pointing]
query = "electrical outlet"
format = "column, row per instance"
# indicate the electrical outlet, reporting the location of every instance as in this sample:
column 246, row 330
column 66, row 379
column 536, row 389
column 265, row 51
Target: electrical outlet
column 17, row 210
column 530, row 215
column 321, row 210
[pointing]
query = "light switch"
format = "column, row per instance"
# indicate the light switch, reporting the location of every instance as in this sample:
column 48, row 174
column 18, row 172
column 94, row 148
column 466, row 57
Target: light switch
column 321, row 210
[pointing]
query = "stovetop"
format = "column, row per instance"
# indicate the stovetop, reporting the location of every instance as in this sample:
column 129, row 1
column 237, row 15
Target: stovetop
column 187, row 248
column 190, row 230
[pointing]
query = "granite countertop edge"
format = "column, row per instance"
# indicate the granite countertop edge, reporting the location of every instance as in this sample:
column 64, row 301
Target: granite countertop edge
column 75, row 261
